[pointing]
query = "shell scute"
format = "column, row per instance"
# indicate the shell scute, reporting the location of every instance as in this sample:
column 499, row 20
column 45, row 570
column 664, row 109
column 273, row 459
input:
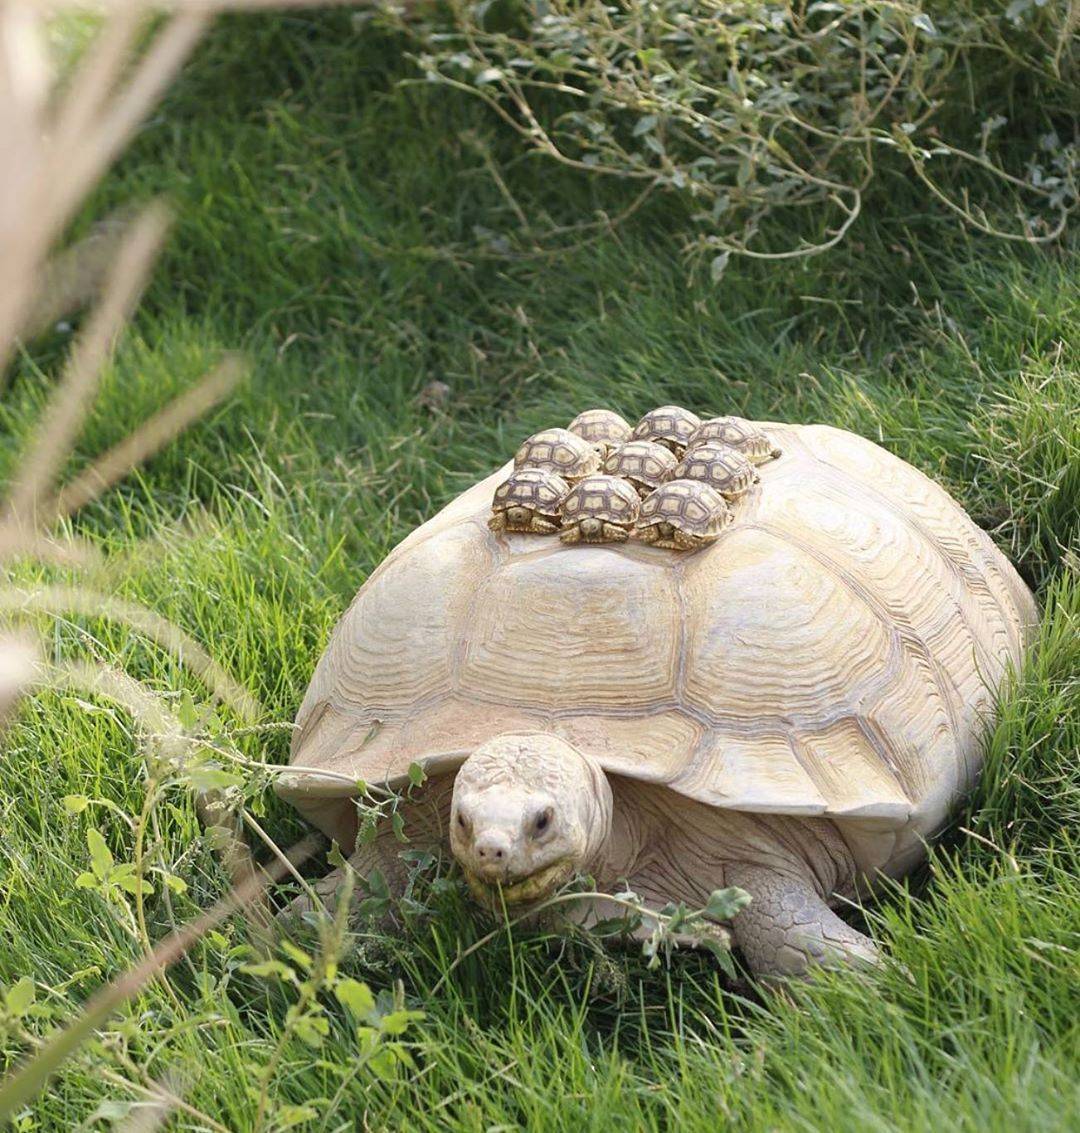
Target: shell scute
column 736, row 433
column 669, row 425
column 644, row 463
column 560, row 451
column 602, row 428
column 720, row 466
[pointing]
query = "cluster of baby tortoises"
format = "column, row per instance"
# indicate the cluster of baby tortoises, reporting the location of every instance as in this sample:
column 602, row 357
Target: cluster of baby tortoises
column 669, row 480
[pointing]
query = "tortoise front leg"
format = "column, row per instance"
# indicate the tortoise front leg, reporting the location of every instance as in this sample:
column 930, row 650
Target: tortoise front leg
column 541, row 526
column 788, row 928
column 613, row 533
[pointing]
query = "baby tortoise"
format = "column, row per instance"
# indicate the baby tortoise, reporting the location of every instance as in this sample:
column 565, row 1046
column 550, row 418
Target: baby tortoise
column 604, row 429
column 719, row 466
column 529, row 500
column 645, row 464
column 670, row 426
column 600, row 509
column 682, row 515
column 559, row 451
column 739, row 434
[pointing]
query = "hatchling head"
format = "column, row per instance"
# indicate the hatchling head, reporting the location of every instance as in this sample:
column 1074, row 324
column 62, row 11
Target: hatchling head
column 737, row 433
column 682, row 515
column 529, row 500
column 645, row 464
column 559, row 451
column 604, row 429
column 670, row 426
column 720, row 466
column 600, row 509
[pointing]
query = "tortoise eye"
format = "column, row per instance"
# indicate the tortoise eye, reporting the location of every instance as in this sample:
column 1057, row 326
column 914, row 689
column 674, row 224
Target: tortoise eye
column 543, row 820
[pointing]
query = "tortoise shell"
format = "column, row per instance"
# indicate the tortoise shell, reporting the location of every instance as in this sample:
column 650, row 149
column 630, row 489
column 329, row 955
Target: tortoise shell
column 602, row 428
column 533, row 488
column 645, row 464
column 719, row 466
column 738, row 434
column 689, row 506
column 670, row 426
column 607, row 498
column 837, row 654
column 560, row 451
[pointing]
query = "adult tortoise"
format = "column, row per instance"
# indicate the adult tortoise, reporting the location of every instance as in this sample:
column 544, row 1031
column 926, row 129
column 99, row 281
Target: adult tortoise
column 791, row 710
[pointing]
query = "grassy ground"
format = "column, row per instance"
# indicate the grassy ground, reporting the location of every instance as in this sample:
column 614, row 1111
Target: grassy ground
column 341, row 231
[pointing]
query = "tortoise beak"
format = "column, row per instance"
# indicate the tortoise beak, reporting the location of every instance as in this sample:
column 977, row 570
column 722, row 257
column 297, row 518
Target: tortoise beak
column 528, row 890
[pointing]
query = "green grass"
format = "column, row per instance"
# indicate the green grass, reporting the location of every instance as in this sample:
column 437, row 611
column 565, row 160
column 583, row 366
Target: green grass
column 338, row 229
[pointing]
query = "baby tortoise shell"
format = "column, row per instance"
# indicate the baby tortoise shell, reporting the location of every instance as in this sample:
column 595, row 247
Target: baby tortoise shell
column 720, row 466
column 529, row 500
column 600, row 509
column 738, row 434
column 559, row 451
column 604, row 429
column 645, row 464
column 683, row 515
column 670, row 426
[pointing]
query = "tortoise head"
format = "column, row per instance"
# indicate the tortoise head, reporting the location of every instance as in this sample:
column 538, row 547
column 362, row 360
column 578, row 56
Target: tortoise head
column 529, row 811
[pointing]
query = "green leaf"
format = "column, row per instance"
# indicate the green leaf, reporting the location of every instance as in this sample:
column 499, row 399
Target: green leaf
column 311, row 1029
column 355, row 997
column 397, row 1022
column 397, row 824
column 416, row 774
column 86, row 881
column 75, row 804
column 270, row 968
column 644, row 124
column 719, row 266
column 723, row 904
column 134, row 885
column 289, row 1116
column 100, row 855
column 176, row 884
column 19, row 998
column 187, row 713
column 212, row 778
column 298, row 955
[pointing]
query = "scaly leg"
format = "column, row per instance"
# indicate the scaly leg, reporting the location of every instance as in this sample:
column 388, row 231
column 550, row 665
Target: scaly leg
column 787, row 927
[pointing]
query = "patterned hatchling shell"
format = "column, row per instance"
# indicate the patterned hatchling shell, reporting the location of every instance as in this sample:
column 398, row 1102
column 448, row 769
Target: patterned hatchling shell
column 608, row 498
column 533, row 488
column 670, row 426
column 558, row 450
column 738, row 434
column 719, row 466
column 645, row 464
column 602, row 428
column 688, row 505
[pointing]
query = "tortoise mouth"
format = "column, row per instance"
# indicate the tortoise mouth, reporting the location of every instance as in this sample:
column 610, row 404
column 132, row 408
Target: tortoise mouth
column 525, row 891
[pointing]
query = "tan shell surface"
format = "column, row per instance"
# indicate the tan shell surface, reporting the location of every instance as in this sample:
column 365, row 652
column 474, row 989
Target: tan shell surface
column 834, row 652
column 643, row 461
column 690, row 505
column 601, row 497
column 559, row 451
column 718, row 465
column 532, row 488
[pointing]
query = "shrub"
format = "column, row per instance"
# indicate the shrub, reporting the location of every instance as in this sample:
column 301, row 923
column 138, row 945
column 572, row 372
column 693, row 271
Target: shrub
column 774, row 119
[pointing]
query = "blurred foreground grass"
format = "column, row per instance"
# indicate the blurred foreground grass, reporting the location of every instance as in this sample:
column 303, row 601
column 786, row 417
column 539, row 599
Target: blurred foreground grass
column 349, row 236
